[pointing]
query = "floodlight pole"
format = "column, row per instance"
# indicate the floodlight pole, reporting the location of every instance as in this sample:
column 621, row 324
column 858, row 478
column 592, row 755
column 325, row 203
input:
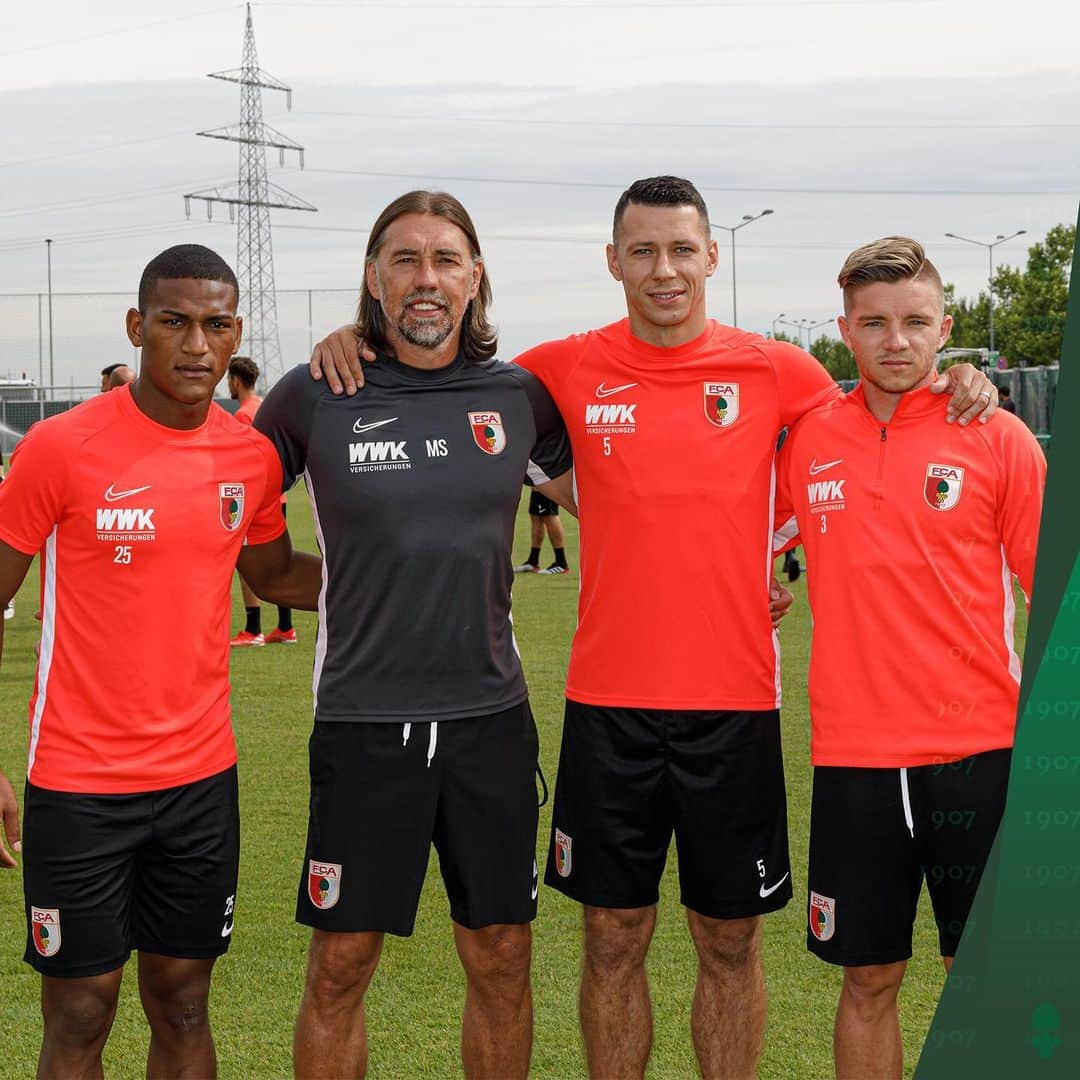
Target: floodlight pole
column 48, row 263
column 999, row 239
column 746, row 220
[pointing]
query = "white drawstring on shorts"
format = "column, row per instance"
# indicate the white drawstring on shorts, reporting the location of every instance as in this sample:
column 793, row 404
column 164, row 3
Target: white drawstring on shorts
column 433, row 738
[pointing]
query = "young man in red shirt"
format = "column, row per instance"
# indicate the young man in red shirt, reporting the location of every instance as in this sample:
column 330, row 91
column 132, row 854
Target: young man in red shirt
column 140, row 501
column 914, row 530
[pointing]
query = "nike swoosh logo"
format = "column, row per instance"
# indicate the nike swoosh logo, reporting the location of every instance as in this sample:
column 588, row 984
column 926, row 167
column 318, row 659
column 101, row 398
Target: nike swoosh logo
column 112, row 496
column 361, row 428
column 536, row 880
column 535, row 890
column 226, row 930
column 763, row 892
column 605, row 391
column 815, row 468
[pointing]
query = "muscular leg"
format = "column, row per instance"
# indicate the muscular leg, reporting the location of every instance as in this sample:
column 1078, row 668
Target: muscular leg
column 554, row 531
column 78, row 1015
column 866, row 1038
column 250, row 599
column 616, row 1014
column 728, row 1016
column 496, row 1031
column 331, row 1037
column 536, row 531
column 175, row 996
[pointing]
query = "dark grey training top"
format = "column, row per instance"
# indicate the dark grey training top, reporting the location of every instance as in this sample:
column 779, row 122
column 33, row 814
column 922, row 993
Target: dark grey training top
column 414, row 484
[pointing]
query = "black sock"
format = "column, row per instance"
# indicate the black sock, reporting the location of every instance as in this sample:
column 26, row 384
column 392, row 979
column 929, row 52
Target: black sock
column 534, row 557
column 560, row 556
column 284, row 618
column 254, row 620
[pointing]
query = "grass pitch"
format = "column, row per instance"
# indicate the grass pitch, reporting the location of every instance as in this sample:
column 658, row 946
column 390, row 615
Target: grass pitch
column 415, row 1001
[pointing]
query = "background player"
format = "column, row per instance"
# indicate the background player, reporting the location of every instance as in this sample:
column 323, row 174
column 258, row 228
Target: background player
column 913, row 531
column 138, row 502
column 243, row 374
column 544, row 518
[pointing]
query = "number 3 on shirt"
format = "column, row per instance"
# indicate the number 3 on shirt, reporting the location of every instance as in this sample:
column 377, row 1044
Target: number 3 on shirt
column 824, row 524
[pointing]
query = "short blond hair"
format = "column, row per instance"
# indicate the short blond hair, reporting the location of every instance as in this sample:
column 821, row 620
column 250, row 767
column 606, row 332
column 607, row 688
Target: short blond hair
column 893, row 258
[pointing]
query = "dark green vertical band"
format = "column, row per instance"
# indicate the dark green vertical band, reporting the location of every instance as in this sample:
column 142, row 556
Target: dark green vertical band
column 1011, row 1007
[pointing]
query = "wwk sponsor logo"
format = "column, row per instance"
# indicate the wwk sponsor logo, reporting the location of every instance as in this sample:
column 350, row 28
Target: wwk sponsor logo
column 825, row 495
column 379, row 456
column 610, row 419
column 125, row 523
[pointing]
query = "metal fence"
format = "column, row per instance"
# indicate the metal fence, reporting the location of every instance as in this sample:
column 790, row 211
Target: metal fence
column 88, row 331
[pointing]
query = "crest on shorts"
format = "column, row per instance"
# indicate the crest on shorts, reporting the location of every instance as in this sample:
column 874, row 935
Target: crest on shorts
column 488, row 432
column 721, row 403
column 822, row 916
column 231, row 497
column 45, row 930
column 323, row 883
column 563, row 853
column 942, row 487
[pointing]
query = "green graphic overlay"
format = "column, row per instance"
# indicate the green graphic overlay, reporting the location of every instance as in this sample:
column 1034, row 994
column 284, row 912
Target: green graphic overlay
column 1011, row 1006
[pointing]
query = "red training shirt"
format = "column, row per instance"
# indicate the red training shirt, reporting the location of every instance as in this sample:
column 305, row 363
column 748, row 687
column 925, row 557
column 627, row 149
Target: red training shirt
column 674, row 454
column 139, row 527
column 913, row 530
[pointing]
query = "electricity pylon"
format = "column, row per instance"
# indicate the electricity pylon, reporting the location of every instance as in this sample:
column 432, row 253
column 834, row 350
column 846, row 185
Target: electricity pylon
column 249, row 201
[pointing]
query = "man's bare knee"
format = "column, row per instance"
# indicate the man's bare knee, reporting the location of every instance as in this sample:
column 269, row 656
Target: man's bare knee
column 729, row 944
column 495, row 957
column 340, row 967
column 617, row 939
column 79, row 1018
column 872, row 988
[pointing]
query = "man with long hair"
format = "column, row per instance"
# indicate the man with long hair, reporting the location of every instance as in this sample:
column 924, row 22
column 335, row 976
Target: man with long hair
column 423, row 732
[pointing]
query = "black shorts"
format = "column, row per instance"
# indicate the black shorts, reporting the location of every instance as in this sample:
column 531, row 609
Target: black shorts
column 629, row 778
column 542, row 506
column 105, row 874
column 379, row 801
column 875, row 834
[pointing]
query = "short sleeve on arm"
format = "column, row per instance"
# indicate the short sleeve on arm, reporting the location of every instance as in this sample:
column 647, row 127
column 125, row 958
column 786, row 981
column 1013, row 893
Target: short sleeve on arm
column 32, row 495
column 802, row 383
column 268, row 523
column 284, row 417
column 550, row 456
column 551, row 361
column 785, row 524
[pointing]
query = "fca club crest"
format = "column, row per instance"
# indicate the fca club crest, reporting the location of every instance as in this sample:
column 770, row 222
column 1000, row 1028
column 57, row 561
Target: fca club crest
column 45, row 930
column 231, row 497
column 943, row 485
column 822, row 916
column 488, row 432
column 722, row 403
column 323, row 883
column 563, row 859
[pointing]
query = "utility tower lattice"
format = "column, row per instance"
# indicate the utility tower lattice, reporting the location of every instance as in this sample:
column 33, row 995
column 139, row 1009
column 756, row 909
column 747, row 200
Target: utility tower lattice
column 254, row 195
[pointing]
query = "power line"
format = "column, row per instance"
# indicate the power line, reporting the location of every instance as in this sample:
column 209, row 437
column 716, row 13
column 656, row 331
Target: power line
column 733, row 125
column 53, row 42
column 99, row 200
column 702, row 185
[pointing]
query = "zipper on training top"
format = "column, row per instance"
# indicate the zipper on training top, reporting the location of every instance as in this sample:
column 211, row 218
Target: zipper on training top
column 879, row 486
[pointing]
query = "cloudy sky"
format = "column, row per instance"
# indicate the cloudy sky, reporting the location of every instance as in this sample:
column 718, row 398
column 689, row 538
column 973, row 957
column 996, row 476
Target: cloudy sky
column 850, row 120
